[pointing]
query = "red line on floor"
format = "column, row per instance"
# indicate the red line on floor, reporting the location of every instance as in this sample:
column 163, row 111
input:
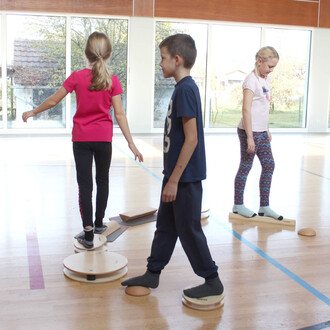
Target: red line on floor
column 34, row 260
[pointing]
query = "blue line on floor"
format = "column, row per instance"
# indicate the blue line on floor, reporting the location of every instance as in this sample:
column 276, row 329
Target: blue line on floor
column 319, row 175
column 138, row 163
column 324, row 325
column 275, row 263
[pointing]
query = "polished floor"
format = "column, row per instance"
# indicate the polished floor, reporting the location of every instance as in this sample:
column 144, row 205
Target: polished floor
column 274, row 278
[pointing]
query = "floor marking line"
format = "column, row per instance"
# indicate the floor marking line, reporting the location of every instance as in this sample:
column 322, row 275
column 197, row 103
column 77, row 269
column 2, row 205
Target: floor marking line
column 275, row 263
column 34, row 260
column 264, row 255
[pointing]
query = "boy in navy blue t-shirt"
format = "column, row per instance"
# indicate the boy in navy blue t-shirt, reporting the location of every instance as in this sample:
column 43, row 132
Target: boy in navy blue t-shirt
column 179, row 213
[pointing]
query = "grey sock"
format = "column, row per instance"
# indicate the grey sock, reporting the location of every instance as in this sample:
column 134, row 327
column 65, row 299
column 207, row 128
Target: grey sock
column 244, row 211
column 212, row 287
column 268, row 212
column 148, row 280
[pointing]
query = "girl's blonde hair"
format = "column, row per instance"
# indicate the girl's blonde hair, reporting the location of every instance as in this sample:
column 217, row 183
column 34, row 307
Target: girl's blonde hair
column 266, row 53
column 98, row 50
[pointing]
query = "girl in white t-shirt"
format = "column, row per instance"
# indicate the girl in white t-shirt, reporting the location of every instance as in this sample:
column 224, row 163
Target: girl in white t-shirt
column 254, row 135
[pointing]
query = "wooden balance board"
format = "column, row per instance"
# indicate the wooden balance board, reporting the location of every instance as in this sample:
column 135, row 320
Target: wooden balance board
column 259, row 219
column 204, row 304
column 101, row 248
column 95, row 266
column 112, row 226
column 99, row 240
column 205, row 214
column 137, row 213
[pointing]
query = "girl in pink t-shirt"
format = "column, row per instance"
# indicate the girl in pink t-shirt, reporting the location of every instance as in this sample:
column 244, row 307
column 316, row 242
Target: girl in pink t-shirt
column 254, row 135
column 96, row 91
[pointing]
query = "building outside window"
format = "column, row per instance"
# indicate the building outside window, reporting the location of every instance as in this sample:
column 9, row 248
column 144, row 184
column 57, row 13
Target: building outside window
column 117, row 31
column 35, row 68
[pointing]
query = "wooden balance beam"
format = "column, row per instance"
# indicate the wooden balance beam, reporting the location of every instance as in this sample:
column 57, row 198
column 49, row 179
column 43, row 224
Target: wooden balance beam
column 259, row 219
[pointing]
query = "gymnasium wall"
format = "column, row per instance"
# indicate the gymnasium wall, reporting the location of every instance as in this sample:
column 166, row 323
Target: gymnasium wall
column 313, row 13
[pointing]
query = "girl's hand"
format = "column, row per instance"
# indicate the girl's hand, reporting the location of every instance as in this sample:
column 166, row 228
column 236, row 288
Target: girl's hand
column 27, row 114
column 251, row 145
column 136, row 152
column 269, row 136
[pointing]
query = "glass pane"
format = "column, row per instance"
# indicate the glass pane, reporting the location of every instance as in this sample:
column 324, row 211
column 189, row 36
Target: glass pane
column 290, row 77
column 1, row 113
column 329, row 113
column 117, row 31
column 232, row 57
column 164, row 87
column 35, row 68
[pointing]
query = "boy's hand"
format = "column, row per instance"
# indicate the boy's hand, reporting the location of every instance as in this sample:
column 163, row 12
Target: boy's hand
column 27, row 114
column 136, row 152
column 169, row 192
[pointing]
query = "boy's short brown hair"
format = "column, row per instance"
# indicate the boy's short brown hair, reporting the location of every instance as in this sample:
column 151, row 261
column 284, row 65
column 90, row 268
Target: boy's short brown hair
column 182, row 45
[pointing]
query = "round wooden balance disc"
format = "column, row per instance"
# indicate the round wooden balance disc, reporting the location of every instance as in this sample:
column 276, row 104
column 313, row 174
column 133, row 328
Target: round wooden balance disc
column 99, row 241
column 205, row 303
column 95, row 266
column 137, row 291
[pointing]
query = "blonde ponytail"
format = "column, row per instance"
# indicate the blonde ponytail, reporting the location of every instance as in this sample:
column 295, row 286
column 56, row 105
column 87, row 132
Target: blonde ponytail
column 98, row 50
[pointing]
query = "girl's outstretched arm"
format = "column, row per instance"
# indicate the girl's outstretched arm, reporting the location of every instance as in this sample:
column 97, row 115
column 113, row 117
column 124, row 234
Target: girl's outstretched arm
column 49, row 103
column 123, row 124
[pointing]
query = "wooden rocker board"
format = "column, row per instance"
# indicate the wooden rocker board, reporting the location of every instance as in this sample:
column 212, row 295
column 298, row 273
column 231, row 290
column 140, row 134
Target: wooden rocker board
column 95, row 264
column 99, row 240
column 137, row 213
column 205, row 214
column 112, row 226
column 98, row 278
column 204, row 304
column 285, row 222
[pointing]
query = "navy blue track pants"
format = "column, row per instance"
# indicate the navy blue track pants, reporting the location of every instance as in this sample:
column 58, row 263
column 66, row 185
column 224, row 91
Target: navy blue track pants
column 182, row 219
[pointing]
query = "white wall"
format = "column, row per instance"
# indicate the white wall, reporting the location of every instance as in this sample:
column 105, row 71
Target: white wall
column 141, row 74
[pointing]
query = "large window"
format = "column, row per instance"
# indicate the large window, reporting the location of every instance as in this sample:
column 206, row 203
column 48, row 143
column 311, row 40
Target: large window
column 329, row 113
column 35, row 68
column 290, row 77
column 38, row 61
column 1, row 112
column 164, row 87
column 231, row 57
column 117, row 30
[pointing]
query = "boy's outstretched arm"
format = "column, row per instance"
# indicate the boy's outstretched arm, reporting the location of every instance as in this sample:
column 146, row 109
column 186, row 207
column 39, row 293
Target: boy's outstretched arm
column 189, row 145
column 49, row 103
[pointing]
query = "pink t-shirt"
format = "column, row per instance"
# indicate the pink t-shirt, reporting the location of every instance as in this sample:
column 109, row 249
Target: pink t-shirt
column 92, row 121
column 260, row 103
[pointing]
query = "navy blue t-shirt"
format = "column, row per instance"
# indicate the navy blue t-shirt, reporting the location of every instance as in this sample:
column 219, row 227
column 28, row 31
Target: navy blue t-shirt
column 185, row 102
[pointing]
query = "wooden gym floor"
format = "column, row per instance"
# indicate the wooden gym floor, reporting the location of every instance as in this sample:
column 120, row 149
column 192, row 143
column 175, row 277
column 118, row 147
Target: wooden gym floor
column 274, row 279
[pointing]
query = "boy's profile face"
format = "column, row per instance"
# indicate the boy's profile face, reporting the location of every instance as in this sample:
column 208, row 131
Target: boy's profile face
column 167, row 63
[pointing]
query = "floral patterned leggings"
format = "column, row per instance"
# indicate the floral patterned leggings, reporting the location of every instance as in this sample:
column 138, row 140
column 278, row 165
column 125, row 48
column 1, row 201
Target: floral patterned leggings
column 264, row 152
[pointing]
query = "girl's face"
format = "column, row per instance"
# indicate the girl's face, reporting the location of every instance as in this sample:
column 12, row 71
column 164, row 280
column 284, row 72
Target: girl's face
column 266, row 67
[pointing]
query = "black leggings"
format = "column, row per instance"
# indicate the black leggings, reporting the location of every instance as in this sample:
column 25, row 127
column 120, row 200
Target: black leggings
column 84, row 152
